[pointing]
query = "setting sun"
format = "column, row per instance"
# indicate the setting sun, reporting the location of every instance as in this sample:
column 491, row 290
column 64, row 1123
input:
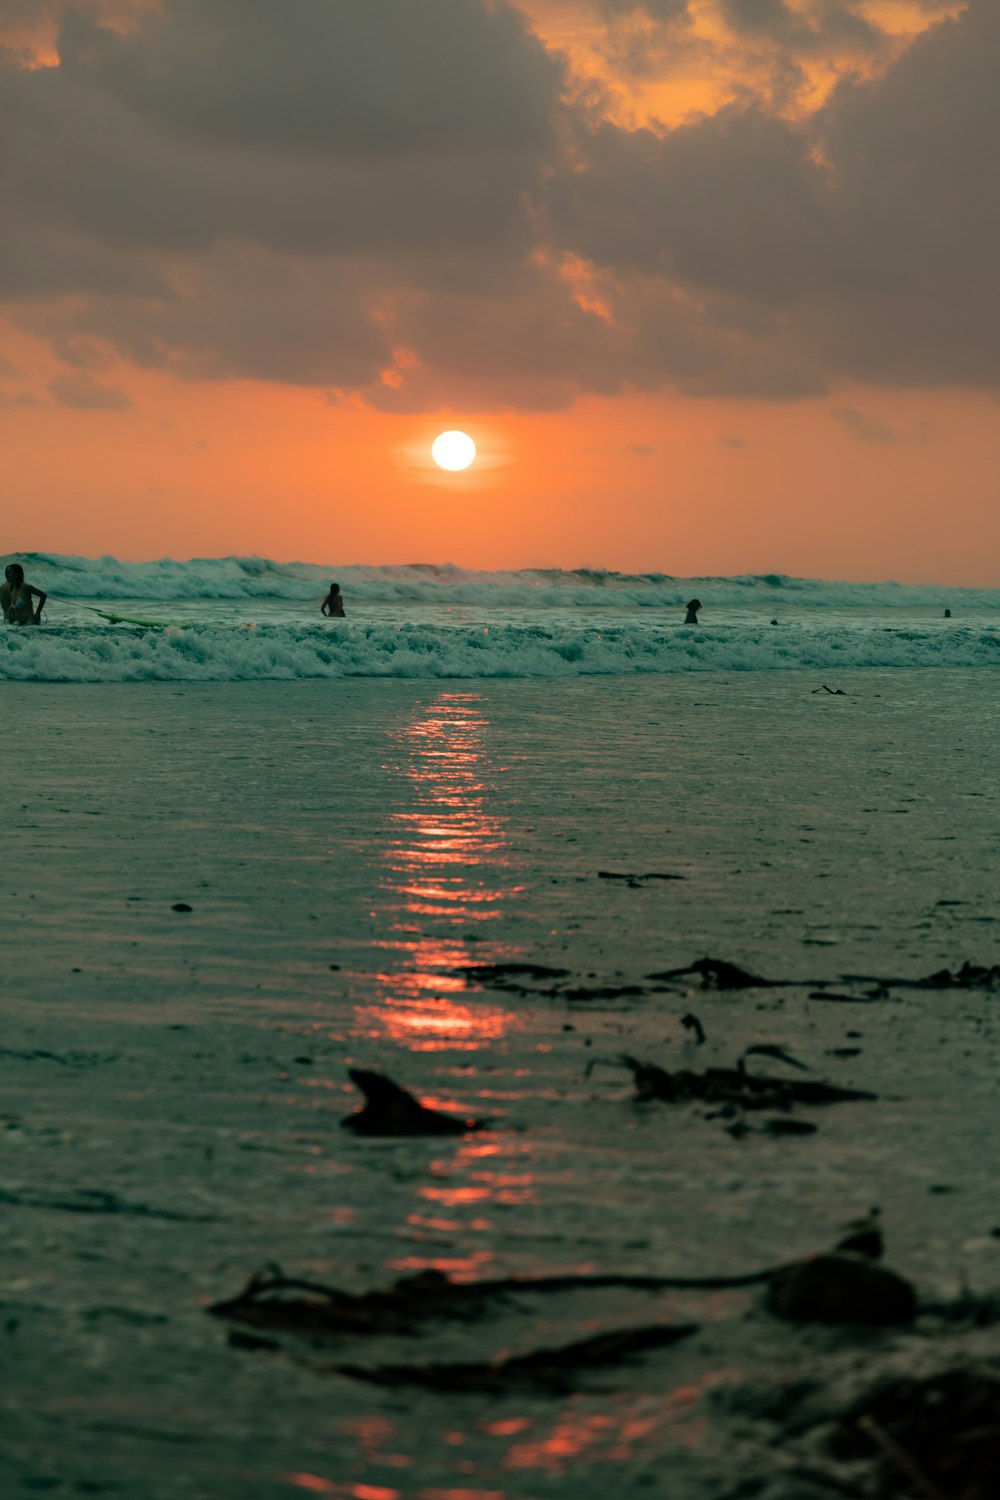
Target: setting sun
column 453, row 450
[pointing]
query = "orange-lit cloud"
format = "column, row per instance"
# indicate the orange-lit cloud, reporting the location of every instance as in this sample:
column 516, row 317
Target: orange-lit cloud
column 310, row 224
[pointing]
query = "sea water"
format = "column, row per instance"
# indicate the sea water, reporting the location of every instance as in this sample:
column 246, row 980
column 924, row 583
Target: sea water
column 247, row 619
column 225, row 893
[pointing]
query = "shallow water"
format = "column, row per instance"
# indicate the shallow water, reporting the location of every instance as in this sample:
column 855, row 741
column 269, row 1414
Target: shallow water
column 345, row 848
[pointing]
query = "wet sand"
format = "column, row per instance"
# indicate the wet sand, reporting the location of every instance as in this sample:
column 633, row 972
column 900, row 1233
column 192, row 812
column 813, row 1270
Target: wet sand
column 172, row 1080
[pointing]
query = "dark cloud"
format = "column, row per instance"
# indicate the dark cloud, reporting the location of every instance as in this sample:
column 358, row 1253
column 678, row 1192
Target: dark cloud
column 86, row 394
column 665, row 11
column 337, row 196
column 827, row 24
column 355, row 75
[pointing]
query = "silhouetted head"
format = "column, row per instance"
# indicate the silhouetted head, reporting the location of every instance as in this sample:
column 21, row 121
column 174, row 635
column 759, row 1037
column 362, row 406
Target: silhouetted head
column 694, row 604
column 14, row 574
column 335, row 588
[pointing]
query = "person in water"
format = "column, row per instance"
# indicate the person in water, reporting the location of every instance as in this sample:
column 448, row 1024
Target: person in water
column 692, row 607
column 333, row 604
column 16, row 596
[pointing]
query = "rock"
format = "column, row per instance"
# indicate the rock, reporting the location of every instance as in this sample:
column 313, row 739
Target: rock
column 390, row 1110
column 841, row 1288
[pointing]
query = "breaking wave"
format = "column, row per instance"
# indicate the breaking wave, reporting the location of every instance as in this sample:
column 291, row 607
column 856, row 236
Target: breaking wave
column 242, row 653
column 257, row 578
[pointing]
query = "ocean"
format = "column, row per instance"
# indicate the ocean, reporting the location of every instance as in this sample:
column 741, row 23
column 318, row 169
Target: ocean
column 248, row 619
column 481, row 837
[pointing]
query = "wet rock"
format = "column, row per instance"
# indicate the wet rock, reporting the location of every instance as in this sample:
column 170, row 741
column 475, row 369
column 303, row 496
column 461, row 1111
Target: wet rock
column 841, row 1288
column 181, row 906
column 938, row 1436
column 390, row 1110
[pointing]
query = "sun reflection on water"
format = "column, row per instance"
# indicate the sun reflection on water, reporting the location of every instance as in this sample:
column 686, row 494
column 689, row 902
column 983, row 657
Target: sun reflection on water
column 448, row 878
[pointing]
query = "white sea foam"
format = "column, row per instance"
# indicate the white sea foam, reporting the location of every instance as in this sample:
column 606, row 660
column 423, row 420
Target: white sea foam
column 229, row 653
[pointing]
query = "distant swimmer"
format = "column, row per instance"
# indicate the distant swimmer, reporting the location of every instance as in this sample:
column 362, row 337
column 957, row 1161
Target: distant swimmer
column 333, row 604
column 947, row 614
column 692, row 607
column 16, row 596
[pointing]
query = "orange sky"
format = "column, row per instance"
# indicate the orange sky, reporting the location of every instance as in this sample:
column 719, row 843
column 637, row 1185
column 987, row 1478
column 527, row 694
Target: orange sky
column 113, row 441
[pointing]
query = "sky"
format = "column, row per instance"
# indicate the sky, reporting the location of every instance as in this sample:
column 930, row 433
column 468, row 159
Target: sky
column 713, row 284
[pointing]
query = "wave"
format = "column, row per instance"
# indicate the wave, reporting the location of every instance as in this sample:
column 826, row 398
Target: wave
column 250, row 578
column 221, row 653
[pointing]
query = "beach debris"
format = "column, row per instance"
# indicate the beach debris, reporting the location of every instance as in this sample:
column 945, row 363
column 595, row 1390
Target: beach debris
column 553, row 1371
column 733, row 1086
column 864, row 1236
column 280, row 1304
column 969, row 976
column 846, row 999
column 599, row 991
column 841, row 1288
column 97, row 1201
column 636, row 880
column 690, row 1022
column 288, row 1304
column 718, row 973
column 835, row 692
column 510, row 976
column 771, row 1049
column 788, row 1125
column 936, row 1438
column 390, row 1110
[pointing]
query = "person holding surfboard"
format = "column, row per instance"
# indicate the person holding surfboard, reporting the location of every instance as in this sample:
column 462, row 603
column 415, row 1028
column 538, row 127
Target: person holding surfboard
column 16, row 595
column 333, row 604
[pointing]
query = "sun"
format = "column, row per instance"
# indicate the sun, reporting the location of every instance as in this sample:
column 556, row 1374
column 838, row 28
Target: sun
column 453, row 450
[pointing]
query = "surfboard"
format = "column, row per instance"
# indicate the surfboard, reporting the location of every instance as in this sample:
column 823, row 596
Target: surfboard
column 132, row 620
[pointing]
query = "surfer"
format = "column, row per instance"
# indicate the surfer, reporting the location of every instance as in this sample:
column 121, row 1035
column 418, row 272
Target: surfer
column 692, row 607
column 16, row 596
column 333, row 604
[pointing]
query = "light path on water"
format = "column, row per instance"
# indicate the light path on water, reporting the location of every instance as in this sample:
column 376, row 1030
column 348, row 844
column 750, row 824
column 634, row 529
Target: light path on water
column 345, row 848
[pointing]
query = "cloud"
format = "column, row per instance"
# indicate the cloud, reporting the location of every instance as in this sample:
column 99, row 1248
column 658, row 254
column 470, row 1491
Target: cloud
column 644, row 450
column 825, row 25
column 865, row 239
column 863, row 427
column 411, row 202
column 358, row 76
column 83, row 393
